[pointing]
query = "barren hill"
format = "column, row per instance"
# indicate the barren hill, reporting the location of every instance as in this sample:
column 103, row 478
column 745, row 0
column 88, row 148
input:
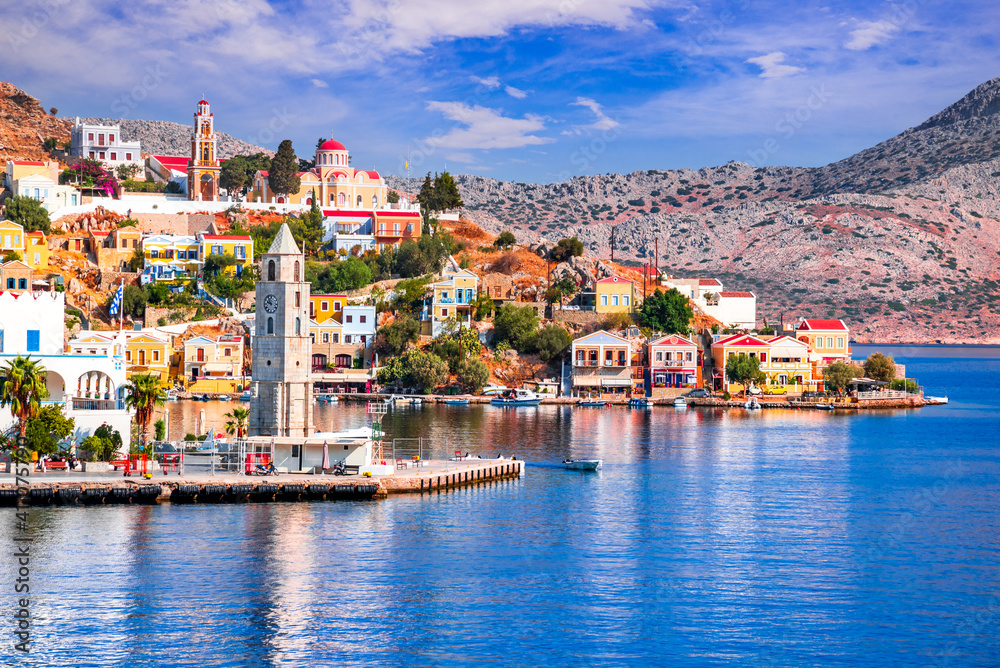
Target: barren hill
column 25, row 125
column 901, row 240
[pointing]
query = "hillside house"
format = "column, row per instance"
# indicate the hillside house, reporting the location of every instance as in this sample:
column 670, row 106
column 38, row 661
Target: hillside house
column 602, row 363
column 674, row 362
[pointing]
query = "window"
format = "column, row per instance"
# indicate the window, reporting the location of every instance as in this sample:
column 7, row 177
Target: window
column 312, row 337
column 625, row 299
column 326, row 337
column 669, row 356
column 270, row 325
column 347, row 338
column 154, row 254
column 444, row 313
column 608, row 357
column 336, row 338
column 102, row 155
column 111, row 139
column 38, row 258
column 819, row 342
column 90, row 136
column 241, row 252
column 409, row 228
column 350, row 318
column 840, row 342
column 614, row 300
column 363, row 318
column 688, row 357
column 216, row 249
column 604, row 300
column 227, row 352
column 298, row 327
column 336, row 306
column 156, row 355
column 33, row 340
column 829, row 342
column 296, row 275
column 114, row 155
column 763, row 358
column 128, row 156
column 298, row 299
column 10, row 283
column 270, row 270
column 128, row 355
column 22, row 284
column 324, row 306
column 621, row 358
column 659, row 356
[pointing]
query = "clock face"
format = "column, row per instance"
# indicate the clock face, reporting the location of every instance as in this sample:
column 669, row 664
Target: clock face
column 270, row 303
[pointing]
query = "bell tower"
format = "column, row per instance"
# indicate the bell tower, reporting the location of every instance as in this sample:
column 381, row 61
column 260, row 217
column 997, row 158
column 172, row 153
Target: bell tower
column 282, row 403
column 203, row 169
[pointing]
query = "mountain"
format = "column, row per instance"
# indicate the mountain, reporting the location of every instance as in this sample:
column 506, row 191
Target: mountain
column 25, row 125
column 902, row 240
column 166, row 138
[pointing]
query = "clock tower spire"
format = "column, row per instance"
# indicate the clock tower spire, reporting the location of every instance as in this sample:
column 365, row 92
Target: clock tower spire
column 282, row 402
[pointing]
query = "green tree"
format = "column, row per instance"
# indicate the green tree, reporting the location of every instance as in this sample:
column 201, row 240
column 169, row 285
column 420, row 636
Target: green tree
column 446, row 195
column 217, row 263
column 427, row 370
column 880, row 367
column 12, row 256
column 238, row 421
column 138, row 259
column 23, row 389
column 133, row 301
column 551, row 341
column 127, row 171
column 482, row 305
column 516, row 326
column 410, row 295
column 839, row 374
column 742, row 369
column 143, row 394
column 394, row 338
column 103, row 444
column 506, row 240
column 409, row 260
column 159, row 430
column 47, row 428
column 426, row 195
column 392, row 197
column 667, row 312
column 473, row 374
column 566, row 248
column 233, row 176
column 905, row 384
column 29, row 213
column 283, row 177
column 564, row 287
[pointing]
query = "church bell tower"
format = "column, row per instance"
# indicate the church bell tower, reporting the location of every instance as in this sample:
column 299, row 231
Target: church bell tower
column 282, row 401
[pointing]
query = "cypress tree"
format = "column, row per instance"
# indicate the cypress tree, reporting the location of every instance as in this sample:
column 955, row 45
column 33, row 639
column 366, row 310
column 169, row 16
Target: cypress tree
column 283, row 177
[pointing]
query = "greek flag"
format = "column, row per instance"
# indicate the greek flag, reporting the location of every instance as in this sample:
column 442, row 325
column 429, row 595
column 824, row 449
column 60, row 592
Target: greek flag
column 116, row 303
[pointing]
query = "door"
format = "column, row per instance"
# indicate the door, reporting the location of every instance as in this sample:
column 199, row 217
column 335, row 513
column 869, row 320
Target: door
column 142, row 358
column 201, row 354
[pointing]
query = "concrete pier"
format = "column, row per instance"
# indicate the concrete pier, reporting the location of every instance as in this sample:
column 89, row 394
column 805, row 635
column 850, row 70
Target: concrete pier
column 97, row 490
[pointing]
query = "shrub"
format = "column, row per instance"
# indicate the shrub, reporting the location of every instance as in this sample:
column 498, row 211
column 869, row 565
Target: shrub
column 473, row 374
column 551, row 341
column 515, row 326
column 508, row 263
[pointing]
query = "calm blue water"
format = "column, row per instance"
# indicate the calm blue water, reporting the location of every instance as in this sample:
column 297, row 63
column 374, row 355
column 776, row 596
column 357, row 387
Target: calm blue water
column 711, row 538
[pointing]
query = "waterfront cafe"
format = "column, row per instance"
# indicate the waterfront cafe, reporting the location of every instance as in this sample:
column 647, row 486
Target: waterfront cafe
column 305, row 455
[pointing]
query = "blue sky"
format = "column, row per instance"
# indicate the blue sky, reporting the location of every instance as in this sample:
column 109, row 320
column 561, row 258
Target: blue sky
column 526, row 90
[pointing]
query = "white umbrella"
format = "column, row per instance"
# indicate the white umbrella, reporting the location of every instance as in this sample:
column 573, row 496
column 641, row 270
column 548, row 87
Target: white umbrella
column 326, row 456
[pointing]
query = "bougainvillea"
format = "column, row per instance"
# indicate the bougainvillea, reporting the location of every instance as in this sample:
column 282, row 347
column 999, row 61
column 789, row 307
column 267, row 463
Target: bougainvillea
column 90, row 173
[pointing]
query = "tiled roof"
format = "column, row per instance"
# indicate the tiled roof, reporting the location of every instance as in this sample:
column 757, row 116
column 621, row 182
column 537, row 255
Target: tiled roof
column 708, row 281
column 614, row 279
column 736, row 294
column 225, row 237
column 823, row 324
column 32, row 163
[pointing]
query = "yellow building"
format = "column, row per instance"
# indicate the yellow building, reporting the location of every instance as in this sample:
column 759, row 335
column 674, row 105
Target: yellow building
column 170, row 256
column 239, row 246
column 214, row 365
column 11, row 237
column 324, row 307
column 451, row 301
column 333, row 182
column 148, row 353
column 784, row 361
column 614, row 295
column 829, row 340
column 36, row 252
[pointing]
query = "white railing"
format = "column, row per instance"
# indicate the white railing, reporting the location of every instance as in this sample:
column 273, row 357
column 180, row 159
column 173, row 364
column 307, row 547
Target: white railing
column 887, row 394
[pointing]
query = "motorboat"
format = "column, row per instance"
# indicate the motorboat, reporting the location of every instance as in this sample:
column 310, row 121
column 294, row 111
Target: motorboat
column 172, row 395
column 455, row 402
column 491, row 389
column 824, row 407
column 680, row 402
column 326, row 399
column 517, row 397
column 245, row 396
column 416, row 401
column 640, row 402
column 936, row 400
column 752, row 404
column 592, row 403
column 583, row 464
column 224, row 397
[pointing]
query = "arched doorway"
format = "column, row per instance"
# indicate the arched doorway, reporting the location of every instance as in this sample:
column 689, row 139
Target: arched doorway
column 344, row 361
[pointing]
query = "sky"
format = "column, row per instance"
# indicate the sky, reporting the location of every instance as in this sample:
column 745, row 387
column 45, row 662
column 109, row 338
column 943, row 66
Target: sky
column 523, row 90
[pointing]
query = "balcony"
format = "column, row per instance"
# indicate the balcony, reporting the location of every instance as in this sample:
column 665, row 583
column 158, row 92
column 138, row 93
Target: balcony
column 81, row 404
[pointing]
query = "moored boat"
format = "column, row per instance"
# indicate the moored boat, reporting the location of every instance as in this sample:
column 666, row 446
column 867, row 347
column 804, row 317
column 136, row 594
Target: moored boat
column 640, row 402
column 583, row 464
column 936, row 400
column 680, row 402
column 455, row 402
column 517, row 397
column 752, row 404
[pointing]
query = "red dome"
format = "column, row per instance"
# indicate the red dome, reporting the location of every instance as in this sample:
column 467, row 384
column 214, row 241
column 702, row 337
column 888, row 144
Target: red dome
column 203, row 102
column 331, row 145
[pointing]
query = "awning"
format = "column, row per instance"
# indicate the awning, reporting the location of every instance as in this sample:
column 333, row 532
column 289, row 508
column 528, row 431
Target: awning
column 616, row 382
column 586, row 381
column 219, row 367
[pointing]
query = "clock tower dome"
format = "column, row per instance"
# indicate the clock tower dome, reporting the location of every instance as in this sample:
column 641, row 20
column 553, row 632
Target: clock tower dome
column 282, row 402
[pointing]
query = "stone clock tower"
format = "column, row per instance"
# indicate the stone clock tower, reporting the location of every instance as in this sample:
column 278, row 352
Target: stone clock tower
column 282, row 401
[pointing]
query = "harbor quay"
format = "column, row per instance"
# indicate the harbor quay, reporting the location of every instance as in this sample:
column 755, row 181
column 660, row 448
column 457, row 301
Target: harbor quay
column 100, row 489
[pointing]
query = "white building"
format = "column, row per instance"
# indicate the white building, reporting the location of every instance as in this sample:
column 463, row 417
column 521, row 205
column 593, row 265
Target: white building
column 731, row 308
column 347, row 229
column 86, row 381
column 103, row 142
column 52, row 195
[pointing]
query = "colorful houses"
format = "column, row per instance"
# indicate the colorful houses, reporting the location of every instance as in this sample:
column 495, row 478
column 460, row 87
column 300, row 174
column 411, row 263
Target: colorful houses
column 104, row 143
column 36, row 250
column 451, row 300
column 784, row 361
column 829, row 340
column 148, row 353
column 214, row 365
column 239, row 247
column 674, row 362
column 341, row 337
column 169, row 256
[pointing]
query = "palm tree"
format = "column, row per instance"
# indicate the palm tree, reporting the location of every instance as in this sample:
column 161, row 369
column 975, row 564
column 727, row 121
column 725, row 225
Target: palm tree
column 144, row 394
column 23, row 388
column 239, row 420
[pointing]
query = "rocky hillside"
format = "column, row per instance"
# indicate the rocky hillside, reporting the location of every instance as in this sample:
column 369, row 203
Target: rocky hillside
column 165, row 138
column 25, row 125
column 901, row 240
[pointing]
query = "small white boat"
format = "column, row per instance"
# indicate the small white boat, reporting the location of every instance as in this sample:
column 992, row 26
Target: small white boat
column 680, row 402
column 752, row 404
column 517, row 397
column 172, row 395
column 583, row 464
column 224, row 397
column 824, row 407
column 245, row 396
column 936, row 400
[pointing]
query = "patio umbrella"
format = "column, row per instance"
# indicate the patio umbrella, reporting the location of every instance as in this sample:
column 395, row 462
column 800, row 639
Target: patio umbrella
column 326, row 456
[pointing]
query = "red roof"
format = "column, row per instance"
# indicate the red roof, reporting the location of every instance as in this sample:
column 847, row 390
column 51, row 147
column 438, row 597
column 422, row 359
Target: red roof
column 34, row 234
column 231, row 237
column 736, row 294
column 331, row 145
column 372, row 174
column 99, row 233
column 202, row 101
column 708, row 281
column 673, row 340
column 614, row 279
column 177, row 162
column 823, row 324
column 346, row 212
column 33, row 163
column 740, row 340
column 263, row 172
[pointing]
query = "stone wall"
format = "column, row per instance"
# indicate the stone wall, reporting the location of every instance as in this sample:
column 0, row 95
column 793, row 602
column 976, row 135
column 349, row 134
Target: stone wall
column 109, row 280
column 577, row 317
column 173, row 223
column 154, row 313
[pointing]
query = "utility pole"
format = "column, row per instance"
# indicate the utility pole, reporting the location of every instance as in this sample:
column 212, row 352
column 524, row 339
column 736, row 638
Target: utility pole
column 657, row 257
column 612, row 244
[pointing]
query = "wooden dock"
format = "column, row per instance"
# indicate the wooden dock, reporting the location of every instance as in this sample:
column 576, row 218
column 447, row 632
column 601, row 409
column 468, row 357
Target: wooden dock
column 80, row 489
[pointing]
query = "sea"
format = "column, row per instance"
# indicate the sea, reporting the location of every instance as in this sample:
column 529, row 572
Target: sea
column 712, row 537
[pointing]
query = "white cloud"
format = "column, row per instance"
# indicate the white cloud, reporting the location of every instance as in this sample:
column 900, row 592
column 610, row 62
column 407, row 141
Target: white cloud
column 516, row 92
column 486, row 128
column 871, row 33
column 603, row 121
column 319, row 83
column 772, row 66
column 466, row 158
column 491, row 83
